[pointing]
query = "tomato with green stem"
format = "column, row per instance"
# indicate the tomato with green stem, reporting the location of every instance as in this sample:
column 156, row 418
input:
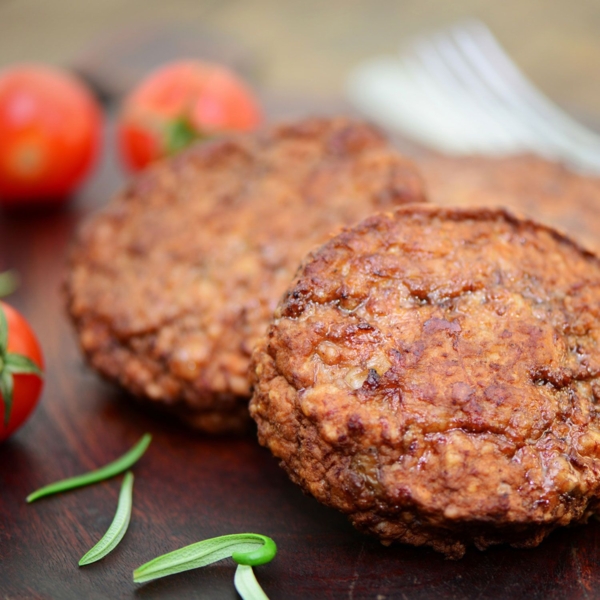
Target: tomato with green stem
column 180, row 103
column 21, row 370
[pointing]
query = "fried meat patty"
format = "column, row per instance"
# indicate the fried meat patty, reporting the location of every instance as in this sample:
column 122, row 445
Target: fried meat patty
column 172, row 283
column 543, row 189
column 434, row 373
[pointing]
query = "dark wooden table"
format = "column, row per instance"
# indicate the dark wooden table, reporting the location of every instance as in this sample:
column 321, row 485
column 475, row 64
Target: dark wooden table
column 190, row 487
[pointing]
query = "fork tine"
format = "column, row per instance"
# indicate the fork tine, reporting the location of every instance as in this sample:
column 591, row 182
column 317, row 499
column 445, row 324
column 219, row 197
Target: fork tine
column 388, row 94
column 404, row 96
column 485, row 54
column 489, row 47
column 459, row 92
column 443, row 61
column 501, row 105
column 452, row 106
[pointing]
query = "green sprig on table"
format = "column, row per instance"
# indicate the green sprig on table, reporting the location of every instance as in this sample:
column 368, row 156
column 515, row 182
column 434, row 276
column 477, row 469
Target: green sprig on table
column 114, row 468
column 246, row 549
column 118, row 527
column 115, row 533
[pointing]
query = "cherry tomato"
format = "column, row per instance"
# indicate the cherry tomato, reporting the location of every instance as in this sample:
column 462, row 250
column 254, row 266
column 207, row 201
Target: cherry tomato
column 22, row 357
column 50, row 135
column 179, row 103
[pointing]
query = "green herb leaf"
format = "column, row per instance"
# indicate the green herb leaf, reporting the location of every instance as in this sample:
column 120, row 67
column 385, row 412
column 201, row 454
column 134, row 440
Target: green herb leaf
column 114, row 534
column 9, row 282
column 3, row 333
column 114, row 468
column 18, row 364
column 252, row 548
column 7, row 385
column 246, row 584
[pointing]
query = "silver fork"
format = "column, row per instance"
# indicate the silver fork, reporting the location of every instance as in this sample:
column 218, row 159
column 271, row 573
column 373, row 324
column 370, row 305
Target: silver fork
column 459, row 92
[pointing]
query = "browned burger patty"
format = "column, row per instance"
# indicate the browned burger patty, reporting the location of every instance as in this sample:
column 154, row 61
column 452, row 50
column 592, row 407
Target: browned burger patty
column 435, row 374
column 543, row 189
column 172, row 283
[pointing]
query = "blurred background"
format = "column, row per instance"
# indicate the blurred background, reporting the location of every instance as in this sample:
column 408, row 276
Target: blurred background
column 299, row 47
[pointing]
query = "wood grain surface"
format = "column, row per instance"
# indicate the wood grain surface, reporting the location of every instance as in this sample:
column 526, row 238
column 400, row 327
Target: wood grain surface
column 190, row 487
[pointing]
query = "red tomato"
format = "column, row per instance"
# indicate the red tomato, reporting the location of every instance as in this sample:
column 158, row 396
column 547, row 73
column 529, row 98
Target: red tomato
column 50, row 134
column 179, row 103
column 27, row 388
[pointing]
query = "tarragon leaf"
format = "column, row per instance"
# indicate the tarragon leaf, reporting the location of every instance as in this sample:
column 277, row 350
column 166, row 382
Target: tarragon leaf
column 114, row 468
column 114, row 534
column 246, row 584
column 244, row 548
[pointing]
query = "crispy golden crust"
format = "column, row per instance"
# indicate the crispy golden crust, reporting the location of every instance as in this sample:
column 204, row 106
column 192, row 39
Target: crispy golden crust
column 172, row 283
column 434, row 373
column 542, row 189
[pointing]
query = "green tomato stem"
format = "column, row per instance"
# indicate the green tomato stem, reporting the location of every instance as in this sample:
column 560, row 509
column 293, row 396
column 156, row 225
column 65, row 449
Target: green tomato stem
column 180, row 133
column 11, row 364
